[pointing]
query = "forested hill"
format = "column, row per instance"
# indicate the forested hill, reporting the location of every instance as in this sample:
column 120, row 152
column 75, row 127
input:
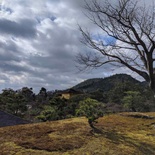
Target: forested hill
column 106, row 84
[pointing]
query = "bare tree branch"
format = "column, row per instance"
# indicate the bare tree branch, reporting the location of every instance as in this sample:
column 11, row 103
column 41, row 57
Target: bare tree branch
column 131, row 26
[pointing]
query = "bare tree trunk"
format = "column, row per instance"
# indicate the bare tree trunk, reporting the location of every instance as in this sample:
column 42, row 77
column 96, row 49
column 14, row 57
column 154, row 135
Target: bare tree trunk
column 91, row 124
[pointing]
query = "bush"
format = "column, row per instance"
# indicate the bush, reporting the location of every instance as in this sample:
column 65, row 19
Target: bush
column 49, row 113
column 90, row 108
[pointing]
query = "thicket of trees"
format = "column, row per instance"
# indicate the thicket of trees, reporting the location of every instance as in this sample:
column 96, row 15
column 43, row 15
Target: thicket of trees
column 46, row 105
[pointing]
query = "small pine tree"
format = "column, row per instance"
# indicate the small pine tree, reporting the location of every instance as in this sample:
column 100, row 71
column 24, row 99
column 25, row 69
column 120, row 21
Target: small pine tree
column 90, row 108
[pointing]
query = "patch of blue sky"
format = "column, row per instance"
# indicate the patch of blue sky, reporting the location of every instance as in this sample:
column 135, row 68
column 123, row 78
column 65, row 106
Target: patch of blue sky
column 6, row 9
column 39, row 19
column 105, row 39
column 53, row 18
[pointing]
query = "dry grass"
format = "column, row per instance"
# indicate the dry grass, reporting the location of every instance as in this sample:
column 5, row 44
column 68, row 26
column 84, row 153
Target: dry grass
column 121, row 134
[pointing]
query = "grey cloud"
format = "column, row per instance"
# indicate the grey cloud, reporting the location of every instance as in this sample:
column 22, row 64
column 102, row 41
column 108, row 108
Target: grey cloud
column 54, row 64
column 58, row 52
column 46, row 57
column 6, row 55
column 16, row 68
column 22, row 28
column 11, row 57
column 56, row 46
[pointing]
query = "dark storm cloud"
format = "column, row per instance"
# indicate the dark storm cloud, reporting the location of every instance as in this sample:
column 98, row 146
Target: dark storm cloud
column 23, row 28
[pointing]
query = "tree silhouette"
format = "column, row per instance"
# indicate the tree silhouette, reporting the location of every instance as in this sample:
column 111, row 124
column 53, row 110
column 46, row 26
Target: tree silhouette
column 131, row 31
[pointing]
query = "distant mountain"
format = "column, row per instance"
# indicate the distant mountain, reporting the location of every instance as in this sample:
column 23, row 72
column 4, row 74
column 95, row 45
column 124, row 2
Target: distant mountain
column 105, row 84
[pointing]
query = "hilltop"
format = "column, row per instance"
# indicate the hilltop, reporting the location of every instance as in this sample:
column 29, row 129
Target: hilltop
column 106, row 84
column 124, row 133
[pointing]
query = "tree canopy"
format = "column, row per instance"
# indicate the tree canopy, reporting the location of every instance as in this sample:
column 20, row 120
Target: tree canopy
column 90, row 108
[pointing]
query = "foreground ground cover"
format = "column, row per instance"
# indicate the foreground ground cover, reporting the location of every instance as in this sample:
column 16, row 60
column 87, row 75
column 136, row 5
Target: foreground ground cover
column 119, row 134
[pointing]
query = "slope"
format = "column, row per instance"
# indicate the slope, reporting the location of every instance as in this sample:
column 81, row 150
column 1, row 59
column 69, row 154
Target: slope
column 125, row 133
column 105, row 84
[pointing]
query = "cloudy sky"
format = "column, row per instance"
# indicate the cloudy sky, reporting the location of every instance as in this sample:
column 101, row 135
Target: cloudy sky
column 39, row 40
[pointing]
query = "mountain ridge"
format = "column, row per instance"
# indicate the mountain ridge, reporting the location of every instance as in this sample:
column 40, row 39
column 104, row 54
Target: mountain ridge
column 105, row 84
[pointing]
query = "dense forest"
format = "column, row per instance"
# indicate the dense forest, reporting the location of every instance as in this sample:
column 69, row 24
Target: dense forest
column 116, row 94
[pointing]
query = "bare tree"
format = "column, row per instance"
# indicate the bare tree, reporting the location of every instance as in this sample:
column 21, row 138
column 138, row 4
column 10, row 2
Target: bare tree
column 132, row 30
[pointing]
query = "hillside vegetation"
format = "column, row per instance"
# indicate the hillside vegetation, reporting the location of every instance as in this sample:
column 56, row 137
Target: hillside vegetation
column 106, row 84
column 117, row 93
column 120, row 134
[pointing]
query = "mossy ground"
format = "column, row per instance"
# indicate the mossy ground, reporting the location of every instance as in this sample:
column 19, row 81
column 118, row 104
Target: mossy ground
column 120, row 134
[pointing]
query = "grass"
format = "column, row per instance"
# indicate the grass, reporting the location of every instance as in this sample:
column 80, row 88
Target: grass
column 121, row 134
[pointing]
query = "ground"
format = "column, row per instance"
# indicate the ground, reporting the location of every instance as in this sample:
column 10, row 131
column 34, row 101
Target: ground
column 120, row 134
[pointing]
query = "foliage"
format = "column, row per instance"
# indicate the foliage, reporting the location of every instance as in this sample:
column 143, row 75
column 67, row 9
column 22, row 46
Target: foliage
column 42, row 95
column 27, row 93
column 99, row 96
column 105, row 84
column 90, row 108
column 61, row 105
column 49, row 113
column 112, row 91
column 116, row 94
column 134, row 101
column 13, row 102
